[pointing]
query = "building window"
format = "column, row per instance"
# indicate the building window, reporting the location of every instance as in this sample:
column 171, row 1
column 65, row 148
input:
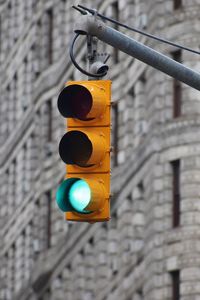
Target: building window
column 175, row 275
column 50, row 36
column 26, row 84
column 139, row 294
column 48, row 197
column 177, row 91
column 176, row 192
column 141, row 189
column 36, row 230
column 14, row 99
column 64, row 25
column 9, row 112
column 177, row 4
column 37, row 49
column 12, row 172
column 141, row 125
column 9, row 26
column 24, row 171
column 11, row 271
column 49, row 113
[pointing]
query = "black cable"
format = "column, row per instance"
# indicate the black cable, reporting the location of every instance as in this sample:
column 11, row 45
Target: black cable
column 139, row 31
column 77, row 65
column 83, row 12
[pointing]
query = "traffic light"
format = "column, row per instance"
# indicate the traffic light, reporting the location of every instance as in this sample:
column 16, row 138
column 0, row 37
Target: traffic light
column 85, row 148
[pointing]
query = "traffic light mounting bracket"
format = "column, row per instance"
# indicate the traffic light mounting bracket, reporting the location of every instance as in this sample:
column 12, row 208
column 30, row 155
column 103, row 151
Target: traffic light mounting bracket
column 96, row 60
column 91, row 25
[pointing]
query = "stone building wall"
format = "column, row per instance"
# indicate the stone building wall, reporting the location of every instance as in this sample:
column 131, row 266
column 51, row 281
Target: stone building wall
column 151, row 247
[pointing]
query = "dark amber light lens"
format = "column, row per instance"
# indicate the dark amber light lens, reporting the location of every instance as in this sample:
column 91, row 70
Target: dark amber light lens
column 75, row 148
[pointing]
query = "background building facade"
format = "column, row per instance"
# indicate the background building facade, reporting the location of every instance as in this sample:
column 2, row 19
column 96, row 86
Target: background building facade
column 151, row 248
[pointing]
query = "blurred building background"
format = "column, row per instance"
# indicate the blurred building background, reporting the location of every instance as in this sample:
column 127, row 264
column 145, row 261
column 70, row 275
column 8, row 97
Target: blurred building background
column 150, row 250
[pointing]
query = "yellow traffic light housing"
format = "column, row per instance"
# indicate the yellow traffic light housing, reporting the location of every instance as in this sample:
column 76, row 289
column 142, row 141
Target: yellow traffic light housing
column 85, row 148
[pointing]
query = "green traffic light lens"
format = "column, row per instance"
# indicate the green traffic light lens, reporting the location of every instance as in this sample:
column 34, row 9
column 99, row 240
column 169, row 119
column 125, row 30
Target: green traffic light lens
column 74, row 194
column 62, row 194
column 80, row 196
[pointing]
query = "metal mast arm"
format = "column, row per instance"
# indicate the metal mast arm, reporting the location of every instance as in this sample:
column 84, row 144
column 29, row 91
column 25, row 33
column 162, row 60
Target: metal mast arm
column 92, row 26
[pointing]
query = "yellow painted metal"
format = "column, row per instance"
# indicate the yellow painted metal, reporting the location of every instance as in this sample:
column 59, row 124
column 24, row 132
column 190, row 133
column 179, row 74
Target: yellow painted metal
column 98, row 132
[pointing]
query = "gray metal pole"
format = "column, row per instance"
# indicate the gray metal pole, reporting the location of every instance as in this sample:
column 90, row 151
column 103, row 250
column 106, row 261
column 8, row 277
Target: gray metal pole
column 92, row 26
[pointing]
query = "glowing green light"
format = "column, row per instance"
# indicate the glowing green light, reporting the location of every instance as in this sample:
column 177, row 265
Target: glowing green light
column 80, row 195
column 62, row 194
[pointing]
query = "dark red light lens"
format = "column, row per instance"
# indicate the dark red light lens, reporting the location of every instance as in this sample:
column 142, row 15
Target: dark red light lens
column 75, row 101
column 75, row 148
